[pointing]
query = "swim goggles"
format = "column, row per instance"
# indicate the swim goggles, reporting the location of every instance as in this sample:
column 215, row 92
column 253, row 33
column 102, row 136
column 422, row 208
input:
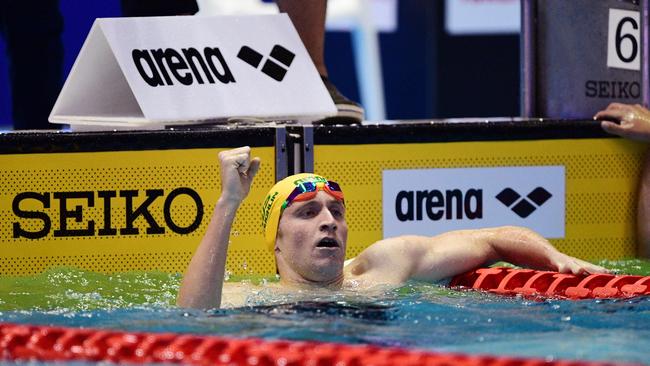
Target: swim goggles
column 307, row 190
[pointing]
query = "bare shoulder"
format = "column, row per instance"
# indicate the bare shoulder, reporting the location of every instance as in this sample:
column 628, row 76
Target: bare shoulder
column 388, row 261
column 399, row 248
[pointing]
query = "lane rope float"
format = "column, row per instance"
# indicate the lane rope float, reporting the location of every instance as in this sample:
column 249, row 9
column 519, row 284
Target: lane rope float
column 527, row 282
column 43, row 343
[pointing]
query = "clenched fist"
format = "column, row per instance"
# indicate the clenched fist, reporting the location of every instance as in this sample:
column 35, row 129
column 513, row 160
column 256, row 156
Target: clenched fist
column 237, row 173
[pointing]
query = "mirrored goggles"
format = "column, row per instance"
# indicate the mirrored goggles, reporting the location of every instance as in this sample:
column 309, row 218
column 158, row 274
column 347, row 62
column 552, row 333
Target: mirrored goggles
column 306, row 191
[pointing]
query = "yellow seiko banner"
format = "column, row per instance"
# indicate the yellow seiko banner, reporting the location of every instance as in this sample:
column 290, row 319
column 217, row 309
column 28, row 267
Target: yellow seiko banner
column 122, row 210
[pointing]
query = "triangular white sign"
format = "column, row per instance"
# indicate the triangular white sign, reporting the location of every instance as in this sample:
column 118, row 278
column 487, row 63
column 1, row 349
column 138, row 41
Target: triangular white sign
column 156, row 71
column 96, row 90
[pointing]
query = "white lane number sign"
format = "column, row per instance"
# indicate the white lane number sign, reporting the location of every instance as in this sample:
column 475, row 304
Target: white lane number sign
column 623, row 46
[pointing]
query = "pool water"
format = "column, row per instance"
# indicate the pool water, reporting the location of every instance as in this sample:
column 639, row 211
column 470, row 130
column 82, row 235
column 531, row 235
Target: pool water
column 417, row 315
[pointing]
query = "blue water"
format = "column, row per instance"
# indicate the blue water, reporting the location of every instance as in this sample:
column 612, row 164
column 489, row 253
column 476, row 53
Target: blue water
column 420, row 316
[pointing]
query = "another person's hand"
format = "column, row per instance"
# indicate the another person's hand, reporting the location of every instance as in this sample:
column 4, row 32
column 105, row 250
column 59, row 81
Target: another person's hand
column 626, row 120
column 563, row 263
column 237, row 173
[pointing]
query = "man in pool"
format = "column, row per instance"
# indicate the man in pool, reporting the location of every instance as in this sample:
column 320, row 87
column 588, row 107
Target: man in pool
column 305, row 226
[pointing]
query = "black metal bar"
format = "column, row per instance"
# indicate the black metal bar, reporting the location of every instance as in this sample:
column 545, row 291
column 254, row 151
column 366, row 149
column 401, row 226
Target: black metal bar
column 281, row 154
column 308, row 148
column 57, row 141
column 441, row 131
column 528, row 107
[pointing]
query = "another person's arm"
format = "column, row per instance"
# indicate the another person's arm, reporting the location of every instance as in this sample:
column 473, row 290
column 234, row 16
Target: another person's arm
column 643, row 209
column 402, row 258
column 626, row 120
column 633, row 122
column 203, row 280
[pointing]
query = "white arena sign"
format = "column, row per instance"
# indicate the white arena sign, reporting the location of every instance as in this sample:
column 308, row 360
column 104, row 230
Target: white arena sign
column 433, row 201
column 184, row 69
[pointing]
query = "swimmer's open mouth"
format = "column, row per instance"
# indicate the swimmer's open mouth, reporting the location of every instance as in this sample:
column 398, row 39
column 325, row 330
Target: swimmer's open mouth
column 328, row 243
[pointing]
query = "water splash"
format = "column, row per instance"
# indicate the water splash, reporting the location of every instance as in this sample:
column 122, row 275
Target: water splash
column 78, row 290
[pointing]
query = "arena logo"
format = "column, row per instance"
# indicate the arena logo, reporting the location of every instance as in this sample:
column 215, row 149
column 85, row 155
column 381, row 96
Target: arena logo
column 438, row 205
column 159, row 67
column 433, row 201
column 43, row 218
column 156, row 65
column 523, row 207
column 270, row 67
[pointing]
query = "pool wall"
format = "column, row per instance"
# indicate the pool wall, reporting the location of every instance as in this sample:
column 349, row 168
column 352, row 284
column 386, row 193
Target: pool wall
column 600, row 182
column 115, row 202
column 141, row 200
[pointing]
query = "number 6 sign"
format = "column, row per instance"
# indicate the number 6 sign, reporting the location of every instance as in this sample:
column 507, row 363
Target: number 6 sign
column 581, row 55
column 623, row 46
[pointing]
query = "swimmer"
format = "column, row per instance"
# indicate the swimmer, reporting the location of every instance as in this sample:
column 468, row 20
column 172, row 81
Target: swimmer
column 305, row 227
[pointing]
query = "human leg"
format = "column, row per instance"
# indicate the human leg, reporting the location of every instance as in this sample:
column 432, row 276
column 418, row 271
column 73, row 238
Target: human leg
column 308, row 16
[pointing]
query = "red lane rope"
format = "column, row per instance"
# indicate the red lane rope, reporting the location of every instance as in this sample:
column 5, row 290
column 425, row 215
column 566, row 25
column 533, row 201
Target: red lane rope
column 27, row 342
column 508, row 281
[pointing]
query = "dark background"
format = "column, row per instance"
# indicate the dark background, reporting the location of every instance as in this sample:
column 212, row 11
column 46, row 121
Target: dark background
column 427, row 73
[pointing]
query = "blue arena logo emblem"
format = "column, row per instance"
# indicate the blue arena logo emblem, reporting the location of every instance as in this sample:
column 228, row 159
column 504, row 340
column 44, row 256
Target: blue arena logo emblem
column 273, row 66
column 523, row 207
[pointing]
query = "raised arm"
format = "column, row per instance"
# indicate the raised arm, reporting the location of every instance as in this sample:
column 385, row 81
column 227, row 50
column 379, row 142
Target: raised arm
column 402, row 258
column 203, row 280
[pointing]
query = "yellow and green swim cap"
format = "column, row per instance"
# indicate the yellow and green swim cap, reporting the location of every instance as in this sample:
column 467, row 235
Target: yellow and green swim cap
column 286, row 191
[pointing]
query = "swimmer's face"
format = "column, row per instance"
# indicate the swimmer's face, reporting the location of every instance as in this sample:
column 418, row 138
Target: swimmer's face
column 311, row 240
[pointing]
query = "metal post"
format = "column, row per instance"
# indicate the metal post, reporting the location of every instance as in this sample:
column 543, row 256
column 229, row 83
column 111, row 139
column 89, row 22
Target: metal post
column 527, row 42
column 308, row 148
column 281, row 156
